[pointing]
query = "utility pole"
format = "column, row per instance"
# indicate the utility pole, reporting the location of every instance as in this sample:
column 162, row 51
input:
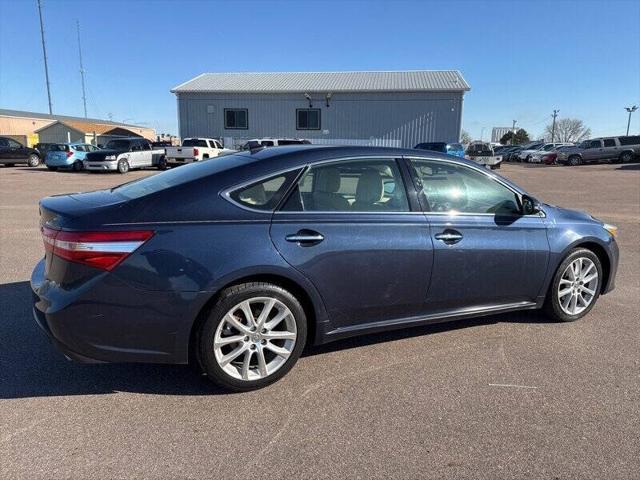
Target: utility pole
column 630, row 110
column 84, row 96
column 553, row 128
column 513, row 130
column 44, row 53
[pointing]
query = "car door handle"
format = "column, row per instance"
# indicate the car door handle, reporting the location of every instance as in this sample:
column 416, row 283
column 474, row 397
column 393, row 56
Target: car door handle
column 449, row 236
column 308, row 237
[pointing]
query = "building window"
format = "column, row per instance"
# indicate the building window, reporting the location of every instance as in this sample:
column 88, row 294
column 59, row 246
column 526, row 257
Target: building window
column 236, row 118
column 308, row 119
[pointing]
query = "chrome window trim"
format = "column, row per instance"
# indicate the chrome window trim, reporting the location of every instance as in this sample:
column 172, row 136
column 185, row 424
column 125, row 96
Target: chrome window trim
column 226, row 193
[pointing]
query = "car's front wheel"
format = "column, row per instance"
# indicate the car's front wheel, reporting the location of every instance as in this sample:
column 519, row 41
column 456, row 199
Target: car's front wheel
column 575, row 160
column 252, row 337
column 575, row 287
column 123, row 166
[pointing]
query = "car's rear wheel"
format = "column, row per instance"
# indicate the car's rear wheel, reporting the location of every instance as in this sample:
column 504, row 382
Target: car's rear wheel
column 123, row 166
column 162, row 163
column 34, row 160
column 626, row 157
column 252, row 337
column 575, row 160
column 575, row 287
column 77, row 166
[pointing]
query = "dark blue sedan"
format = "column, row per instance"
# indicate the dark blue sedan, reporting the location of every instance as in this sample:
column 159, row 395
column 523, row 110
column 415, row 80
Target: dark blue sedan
column 239, row 262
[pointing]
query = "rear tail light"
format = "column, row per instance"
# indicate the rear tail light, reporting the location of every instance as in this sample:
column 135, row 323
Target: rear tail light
column 103, row 250
column 196, row 152
column 69, row 153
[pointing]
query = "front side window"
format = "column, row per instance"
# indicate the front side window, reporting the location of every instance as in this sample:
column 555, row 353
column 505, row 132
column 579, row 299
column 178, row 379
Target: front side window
column 448, row 188
column 371, row 185
column 609, row 142
column 308, row 119
column 236, row 118
column 264, row 194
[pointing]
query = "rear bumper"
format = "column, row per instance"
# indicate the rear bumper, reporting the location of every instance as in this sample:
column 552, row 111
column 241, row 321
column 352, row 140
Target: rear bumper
column 106, row 320
column 180, row 161
column 111, row 165
column 66, row 163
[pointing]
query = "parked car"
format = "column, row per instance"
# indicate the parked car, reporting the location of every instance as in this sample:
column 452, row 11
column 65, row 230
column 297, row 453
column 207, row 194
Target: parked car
column 455, row 149
column 123, row 154
column 548, row 151
column 68, row 155
column 610, row 149
column 273, row 142
column 482, row 153
column 192, row 150
column 508, row 151
column 526, row 153
column 285, row 246
column 12, row 152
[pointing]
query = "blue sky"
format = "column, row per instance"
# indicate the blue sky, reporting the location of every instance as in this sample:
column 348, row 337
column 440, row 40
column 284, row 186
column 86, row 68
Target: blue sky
column 521, row 58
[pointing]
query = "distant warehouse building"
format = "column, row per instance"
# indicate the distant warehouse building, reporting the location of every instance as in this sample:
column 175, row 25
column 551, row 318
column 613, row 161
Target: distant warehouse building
column 361, row 108
column 498, row 132
column 30, row 128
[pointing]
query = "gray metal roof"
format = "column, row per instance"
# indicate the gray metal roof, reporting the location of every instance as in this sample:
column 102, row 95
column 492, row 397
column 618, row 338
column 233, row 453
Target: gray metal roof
column 62, row 118
column 284, row 82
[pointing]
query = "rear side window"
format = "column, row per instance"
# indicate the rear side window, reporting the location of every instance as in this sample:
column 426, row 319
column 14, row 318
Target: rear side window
column 59, row 148
column 609, row 142
column 368, row 185
column 264, row 194
column 290, row 142
column 630, row 140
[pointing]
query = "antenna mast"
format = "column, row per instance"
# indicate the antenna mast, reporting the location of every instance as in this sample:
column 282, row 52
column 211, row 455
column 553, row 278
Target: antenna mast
column 44, row 53
column 84, row 95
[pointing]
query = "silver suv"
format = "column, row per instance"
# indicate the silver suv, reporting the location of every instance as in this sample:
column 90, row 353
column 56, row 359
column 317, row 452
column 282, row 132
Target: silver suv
column 610, row 149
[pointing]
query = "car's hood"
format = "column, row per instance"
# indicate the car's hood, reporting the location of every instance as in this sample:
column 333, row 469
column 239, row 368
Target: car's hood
column 104, row 153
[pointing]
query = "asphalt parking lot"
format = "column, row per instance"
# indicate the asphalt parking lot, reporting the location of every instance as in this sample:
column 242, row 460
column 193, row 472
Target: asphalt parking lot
column 509, row 396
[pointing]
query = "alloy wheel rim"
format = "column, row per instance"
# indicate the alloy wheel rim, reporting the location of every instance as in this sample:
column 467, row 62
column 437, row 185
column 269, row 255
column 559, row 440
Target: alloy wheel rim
column 255, row 338
column 578, row 286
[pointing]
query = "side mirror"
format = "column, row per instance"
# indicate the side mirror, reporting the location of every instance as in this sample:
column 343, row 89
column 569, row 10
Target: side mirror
column 530, row 206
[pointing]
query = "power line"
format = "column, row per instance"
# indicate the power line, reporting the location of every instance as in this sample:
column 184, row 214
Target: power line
column 44, row 53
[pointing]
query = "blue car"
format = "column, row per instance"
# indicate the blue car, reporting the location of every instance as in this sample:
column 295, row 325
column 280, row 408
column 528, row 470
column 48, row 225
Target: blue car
column 237, row 264
column 455, row 149
column 67, row 155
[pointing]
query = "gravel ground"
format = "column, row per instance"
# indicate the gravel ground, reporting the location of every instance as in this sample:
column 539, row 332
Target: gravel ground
column 509, row 396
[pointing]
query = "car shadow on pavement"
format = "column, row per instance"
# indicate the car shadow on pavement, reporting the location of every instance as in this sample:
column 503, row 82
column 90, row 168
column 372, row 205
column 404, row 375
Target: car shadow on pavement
column 629, row 166
column 30, row 366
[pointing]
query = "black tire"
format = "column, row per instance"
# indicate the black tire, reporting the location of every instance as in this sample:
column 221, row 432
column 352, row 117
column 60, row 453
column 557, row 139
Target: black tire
column 10, row 164
column 123, row 166
column 229, row 298
column 53, row 169
column 552, row 305
column 34, row 160
column 77, row 166
column 626, row 157
column 574, row 160
column 162, row 163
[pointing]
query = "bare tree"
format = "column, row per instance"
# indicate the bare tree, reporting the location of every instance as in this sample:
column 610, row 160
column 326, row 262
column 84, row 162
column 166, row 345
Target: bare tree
column 567, row 130
column 465, row 137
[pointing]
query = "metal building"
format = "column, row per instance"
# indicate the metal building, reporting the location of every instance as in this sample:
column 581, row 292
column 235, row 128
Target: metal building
column 362, row 108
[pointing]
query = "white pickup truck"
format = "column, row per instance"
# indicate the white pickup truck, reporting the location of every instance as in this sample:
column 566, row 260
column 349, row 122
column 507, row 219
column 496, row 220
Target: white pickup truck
column 192, row 150
column 482, row 153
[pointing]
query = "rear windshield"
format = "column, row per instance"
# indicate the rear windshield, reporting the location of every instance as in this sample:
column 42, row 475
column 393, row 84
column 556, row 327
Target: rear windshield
column 433, row 146
column 59, row 148
column 177, row 176
column 118, row 144
column 290, row 142
column 194, row 142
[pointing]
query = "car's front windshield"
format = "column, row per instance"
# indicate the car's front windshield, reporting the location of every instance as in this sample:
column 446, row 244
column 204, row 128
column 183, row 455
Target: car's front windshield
column 117, row 145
